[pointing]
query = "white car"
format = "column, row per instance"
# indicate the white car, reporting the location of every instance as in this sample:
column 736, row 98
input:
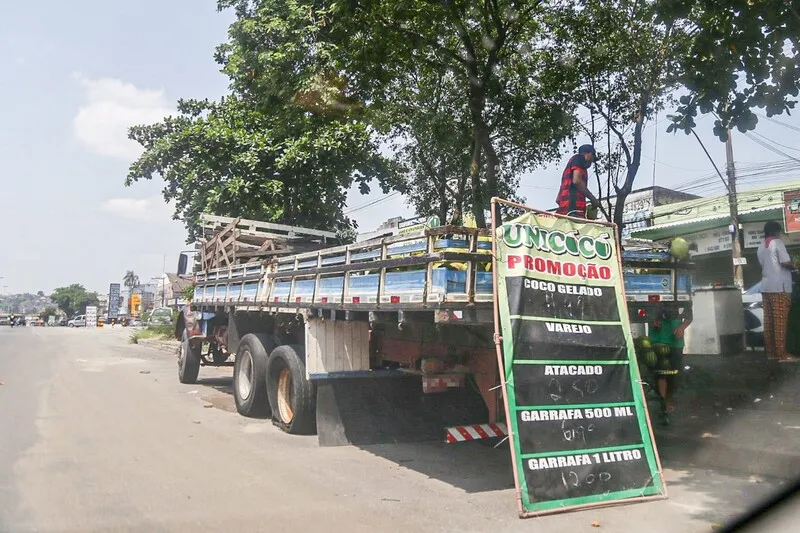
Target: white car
column 754, row 333
column 77, row 322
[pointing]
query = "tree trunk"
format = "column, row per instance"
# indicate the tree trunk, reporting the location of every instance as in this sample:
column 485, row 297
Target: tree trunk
column 492, row 172
column 443, row 203
column 480, row 138
column 475, row 182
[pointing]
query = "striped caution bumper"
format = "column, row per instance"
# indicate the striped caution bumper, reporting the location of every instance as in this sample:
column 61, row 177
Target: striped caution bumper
column 475, row 432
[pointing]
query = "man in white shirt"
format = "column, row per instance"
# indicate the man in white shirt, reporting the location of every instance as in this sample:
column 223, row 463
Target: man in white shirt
column 776, row 292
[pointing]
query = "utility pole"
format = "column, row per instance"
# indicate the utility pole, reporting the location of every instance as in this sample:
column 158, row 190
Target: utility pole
column 736, row 249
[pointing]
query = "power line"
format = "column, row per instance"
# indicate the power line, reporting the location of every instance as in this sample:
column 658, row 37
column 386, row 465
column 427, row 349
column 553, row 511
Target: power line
column 775, row 142
column 785, row 125
column 769, row 147
column 372, row 202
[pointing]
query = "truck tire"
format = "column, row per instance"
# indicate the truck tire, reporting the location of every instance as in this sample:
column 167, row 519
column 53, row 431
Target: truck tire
column 188, row 361
column 291, row 396
column 249, row 375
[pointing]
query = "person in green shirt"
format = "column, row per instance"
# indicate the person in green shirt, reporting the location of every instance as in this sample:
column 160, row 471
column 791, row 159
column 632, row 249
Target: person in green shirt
column 669, row 330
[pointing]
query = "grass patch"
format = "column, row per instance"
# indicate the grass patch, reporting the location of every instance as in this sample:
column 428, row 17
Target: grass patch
column 153, row 332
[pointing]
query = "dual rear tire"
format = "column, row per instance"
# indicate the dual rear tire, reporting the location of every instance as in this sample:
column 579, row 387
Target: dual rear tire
column 189, row 356
column 269, row 380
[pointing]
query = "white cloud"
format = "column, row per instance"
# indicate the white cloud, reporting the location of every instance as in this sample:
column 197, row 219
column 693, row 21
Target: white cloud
column 112, row 106
column 152, row 209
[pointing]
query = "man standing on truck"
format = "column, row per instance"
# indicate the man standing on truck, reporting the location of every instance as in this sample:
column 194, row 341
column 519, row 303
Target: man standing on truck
column 574, row 189
column 776, row 291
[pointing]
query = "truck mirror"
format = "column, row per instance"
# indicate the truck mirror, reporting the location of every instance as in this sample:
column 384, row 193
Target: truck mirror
column 183, row 263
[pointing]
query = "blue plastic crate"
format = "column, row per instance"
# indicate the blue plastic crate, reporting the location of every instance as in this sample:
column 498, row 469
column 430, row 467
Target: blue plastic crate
column 684, row 282
column 280, row 290
column 304, row 287
column 406, row 248
column 234, row 290
column 461, row 243
column 364, row 256
column 331, row 286
column 220, row 291
column 365, row 284
column 484, row 283
column 646, row 255
column 335, row 260
column 250, row 290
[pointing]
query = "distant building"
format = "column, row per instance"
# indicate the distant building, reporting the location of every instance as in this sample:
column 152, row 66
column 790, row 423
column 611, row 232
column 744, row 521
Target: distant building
column 637, row 213
column 705, row 222
column 169, row 290
column 390, row 226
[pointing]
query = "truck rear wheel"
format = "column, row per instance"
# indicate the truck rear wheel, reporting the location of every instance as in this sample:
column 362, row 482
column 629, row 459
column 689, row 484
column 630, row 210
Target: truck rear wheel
column 249, row 375
column 291, row 396
column 188, row 361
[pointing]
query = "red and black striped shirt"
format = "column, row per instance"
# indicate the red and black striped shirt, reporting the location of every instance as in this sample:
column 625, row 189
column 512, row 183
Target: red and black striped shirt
column 570, row 200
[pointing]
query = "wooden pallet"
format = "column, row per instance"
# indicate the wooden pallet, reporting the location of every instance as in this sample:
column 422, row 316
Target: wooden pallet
column 234, row 241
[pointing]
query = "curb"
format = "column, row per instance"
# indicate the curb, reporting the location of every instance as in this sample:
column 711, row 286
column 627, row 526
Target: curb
column 164, row 346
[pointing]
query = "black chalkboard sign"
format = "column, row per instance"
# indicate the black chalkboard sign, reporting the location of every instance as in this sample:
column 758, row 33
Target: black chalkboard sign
column 579, row 427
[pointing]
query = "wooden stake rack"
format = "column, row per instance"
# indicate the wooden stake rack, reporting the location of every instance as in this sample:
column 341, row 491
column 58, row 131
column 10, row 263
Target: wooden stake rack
column 230, row 241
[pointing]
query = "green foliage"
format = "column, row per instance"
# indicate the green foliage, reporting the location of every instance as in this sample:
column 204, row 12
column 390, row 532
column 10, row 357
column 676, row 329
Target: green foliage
column 618, row 61
column 742, row 54
column 188, row 292
column 152, row 332
column 284, row 147
column 458, row 83
column 47, row 311
column 130, row 279
column 73, row 299
column 464, row 96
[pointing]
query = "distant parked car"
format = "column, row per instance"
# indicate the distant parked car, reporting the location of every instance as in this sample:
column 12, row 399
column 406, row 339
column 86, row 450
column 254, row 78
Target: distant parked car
column 753, row 316
column 160, row 317
column 77, row 322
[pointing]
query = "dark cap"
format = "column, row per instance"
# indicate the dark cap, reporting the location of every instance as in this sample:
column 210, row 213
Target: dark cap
column 588, row 149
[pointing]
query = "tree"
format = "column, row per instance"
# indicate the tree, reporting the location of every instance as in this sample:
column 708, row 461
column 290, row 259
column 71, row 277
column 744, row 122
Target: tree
column 619, row 63
column 624, row 60
column 40, row 293
column 382, row 50
column 743, row 54
column 428, row 130
column 285, row 146
column 130, row 280
column 48, row 311
column 73, row 299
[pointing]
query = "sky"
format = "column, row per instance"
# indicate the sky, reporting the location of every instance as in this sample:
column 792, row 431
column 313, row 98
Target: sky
column 78, row 74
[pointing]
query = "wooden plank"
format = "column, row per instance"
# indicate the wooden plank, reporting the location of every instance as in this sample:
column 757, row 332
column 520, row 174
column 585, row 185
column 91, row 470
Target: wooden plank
column 361, row 341
column 339, row 333
column 208, row 220
column 330, row 347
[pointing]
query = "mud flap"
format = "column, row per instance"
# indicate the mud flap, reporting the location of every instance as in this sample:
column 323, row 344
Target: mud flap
column 364, row 411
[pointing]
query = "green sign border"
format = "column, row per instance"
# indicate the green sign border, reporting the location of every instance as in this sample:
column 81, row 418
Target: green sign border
column 532, row 508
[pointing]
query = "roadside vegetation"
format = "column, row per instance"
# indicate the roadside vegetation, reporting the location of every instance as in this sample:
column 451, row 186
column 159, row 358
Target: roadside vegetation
column 161, row 331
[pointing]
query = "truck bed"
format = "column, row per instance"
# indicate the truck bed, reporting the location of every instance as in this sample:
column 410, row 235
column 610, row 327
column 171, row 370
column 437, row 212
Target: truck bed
column 442, row 268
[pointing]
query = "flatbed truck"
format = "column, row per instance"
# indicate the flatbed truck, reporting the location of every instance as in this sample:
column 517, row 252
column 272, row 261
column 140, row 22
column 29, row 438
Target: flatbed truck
column 388, row 340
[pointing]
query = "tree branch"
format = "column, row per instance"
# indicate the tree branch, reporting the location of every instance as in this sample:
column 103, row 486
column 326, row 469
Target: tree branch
column 618, row 133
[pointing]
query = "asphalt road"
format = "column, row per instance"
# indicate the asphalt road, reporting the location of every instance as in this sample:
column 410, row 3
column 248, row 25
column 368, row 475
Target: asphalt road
column 98, row 435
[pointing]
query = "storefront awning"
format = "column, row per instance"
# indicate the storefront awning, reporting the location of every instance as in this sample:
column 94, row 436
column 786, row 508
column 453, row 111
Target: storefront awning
column 683, row 227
